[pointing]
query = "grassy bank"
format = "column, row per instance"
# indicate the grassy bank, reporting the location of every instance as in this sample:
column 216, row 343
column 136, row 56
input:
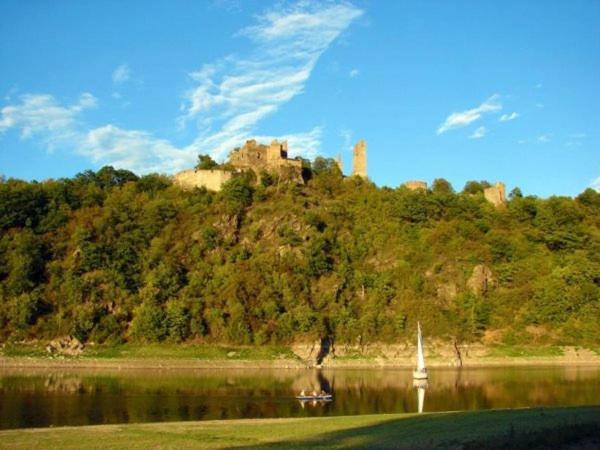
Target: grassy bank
column 525, row 428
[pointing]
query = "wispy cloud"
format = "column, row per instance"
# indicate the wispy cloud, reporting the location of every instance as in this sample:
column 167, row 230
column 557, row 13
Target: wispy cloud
column 229, row 98
column 508, row 117
column 354, row 73
column 543, row 138
column 121, row 74
column 347, row 137
column 578, row 135
column 595, row 184
column 464, row 118
column 478, row 133
column 41, row 115
column 233, row 94
column 575, row 140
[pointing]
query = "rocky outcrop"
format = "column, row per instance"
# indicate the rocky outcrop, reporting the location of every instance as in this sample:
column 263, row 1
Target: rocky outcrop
column 481, row 280
column 447, row 291
column 65, row 346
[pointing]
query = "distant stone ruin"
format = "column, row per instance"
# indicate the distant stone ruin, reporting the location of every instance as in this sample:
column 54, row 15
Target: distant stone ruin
column 209, row 179
column 415, row 185
column 359, row 160
column 496, row 194
column 339, row 162
column 271, row 158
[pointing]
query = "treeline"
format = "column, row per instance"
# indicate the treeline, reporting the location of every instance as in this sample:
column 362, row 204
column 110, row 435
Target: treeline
column 109, row 256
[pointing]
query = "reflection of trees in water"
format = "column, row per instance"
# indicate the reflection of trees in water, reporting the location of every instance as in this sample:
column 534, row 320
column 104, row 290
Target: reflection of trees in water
column 80, row 397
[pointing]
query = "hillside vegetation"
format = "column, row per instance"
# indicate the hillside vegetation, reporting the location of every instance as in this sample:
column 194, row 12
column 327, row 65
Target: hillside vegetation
column 112, row 257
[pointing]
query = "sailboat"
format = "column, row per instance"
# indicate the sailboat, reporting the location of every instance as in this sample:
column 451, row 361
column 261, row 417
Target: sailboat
column 421, row 372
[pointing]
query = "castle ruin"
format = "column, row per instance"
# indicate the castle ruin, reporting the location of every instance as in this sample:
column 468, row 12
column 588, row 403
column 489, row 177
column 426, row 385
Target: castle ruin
column 339, row 163
column 209, row 179
column 415, row 185
column 496, row 194
column 359, row 160
column 271, row 158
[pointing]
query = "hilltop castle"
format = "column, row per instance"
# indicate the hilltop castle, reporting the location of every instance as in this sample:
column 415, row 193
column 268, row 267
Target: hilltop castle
column 272, row 158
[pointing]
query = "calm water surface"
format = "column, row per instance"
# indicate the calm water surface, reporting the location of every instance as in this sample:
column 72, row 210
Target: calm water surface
column 42, row 398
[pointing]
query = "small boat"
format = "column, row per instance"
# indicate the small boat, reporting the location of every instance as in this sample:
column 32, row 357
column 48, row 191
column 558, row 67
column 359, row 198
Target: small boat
column 318, row 397
column 421, row 372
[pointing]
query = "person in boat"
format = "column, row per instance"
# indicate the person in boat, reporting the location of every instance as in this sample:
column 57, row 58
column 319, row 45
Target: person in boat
column 302, row 394
column 323, row 393
column 314, row 393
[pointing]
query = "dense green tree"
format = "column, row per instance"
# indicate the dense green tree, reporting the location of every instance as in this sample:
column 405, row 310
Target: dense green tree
column 205, row 162
column 107, row 256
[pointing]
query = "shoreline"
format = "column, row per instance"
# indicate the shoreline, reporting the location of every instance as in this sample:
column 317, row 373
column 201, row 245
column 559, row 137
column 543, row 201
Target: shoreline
column 24, row 362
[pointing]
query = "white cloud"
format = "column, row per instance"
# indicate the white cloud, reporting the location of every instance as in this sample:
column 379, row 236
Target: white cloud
column 354, row 73
column 464, row 118
column 595, row 184
column 40, row 114
column 347, row 137
column 508, row 117
column 478, row 133
column 132, row 149
column 578, row 135
column 121, row 74
column 233, row 94
column 228, row 100
column 543, row 138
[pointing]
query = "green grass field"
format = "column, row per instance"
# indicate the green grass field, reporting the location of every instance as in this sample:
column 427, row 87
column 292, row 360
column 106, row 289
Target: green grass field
column 522, row 351
column 575, row 427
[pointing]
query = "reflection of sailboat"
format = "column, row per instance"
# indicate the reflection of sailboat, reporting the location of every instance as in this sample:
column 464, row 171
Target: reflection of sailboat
column 421, row 372
column 421, row 385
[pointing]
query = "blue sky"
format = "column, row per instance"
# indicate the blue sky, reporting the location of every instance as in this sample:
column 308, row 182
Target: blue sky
column 461, row 90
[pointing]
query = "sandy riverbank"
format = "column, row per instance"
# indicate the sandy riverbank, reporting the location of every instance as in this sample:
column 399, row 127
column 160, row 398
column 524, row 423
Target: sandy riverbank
column 585, row 359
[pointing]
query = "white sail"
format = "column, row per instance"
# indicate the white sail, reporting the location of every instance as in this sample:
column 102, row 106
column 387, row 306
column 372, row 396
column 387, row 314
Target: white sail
column 420, row 357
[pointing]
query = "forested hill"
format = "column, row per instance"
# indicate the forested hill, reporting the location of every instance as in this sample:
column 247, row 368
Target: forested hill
column 110, row 256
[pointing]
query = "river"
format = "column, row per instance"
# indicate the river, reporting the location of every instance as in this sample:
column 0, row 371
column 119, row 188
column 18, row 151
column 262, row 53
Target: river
column 43, row 398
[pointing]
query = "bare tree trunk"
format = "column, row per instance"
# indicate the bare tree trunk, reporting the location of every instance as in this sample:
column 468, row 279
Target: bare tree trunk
column 457, row 351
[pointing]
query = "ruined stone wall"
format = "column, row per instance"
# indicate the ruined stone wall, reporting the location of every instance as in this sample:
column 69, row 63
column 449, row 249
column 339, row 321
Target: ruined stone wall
column 339, row 162
column 210, row 179
column 496, row 194
column 359, row 160
column 271, row 158
column 415, row 185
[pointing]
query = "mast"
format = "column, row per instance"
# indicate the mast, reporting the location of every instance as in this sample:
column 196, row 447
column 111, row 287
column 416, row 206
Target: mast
column 420, row 357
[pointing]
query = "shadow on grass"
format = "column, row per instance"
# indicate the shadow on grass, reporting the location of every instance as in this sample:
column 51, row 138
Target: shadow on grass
column 505, row 429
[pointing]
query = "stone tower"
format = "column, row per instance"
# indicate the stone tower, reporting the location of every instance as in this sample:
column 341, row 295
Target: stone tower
column 339, row 163
column 359, row 160
column 496, row 194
